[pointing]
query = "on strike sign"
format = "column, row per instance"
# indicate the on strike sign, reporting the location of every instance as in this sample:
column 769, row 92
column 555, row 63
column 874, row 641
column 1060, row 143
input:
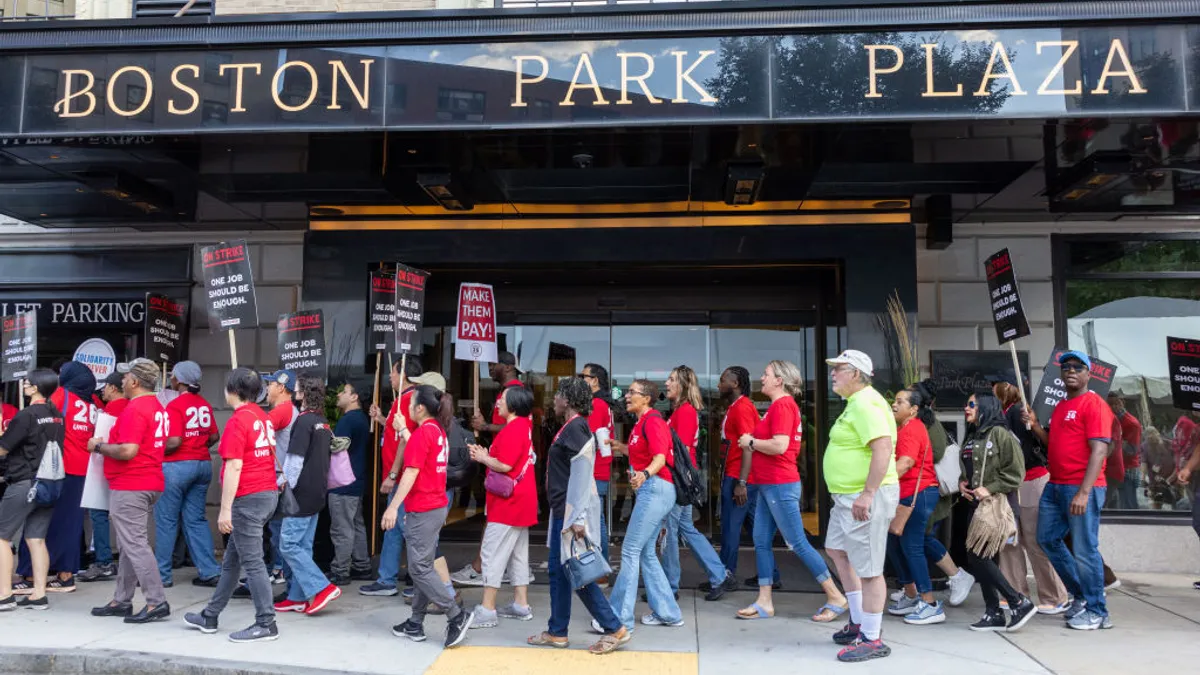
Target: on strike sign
column 410, row 308
column 302, row 343
column 18, row 340
column 475, row 329
column 382, row 301
column 1183, row 363
column 1007, row 311
column 1053, row 391
column 229, row 286
column 166, row 322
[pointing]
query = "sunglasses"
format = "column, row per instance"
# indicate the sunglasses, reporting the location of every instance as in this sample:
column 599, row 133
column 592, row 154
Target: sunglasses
column 971, row 405
column 1073, row 368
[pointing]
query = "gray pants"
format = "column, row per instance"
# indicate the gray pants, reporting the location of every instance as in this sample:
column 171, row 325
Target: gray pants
column 250, row 514
column 130, row 513
column 349, row 535
column 421, row 531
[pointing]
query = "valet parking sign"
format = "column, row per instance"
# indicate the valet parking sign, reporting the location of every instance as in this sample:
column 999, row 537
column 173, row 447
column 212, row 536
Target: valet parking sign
column 1007, row 311
column 166, row 321
column 475, row 329
column 1183, row 363
column 18, row 340
column 302, row 343
column 229, row 286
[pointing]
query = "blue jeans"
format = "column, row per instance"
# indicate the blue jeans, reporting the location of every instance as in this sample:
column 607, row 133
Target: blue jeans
column 779, row 507
column 277, row 561
column 1083, row 572
column 183, row 498
column 654, row 502
column 101, row 536
column 679, row 524
column 389, row 554
column 602, row 489
column 732, row 519
column 1129, row 489
column 912, row 551
column 560, row 593
column 304, row 578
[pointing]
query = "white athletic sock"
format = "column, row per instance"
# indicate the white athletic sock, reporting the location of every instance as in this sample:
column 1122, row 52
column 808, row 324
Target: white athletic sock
column 855, row 600
column 872, row 625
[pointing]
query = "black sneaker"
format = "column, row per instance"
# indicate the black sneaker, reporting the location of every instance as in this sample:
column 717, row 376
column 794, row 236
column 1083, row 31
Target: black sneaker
column 849, row 634
column 339, row 580
column 730, row 584
column 8, row 604
column 990, row 622
column 242, row 592
column 199, row 620
column 40, row 603
column 362, row 575
column 752, row 582
column 256, row 633
column 98, row 572
column 1020, row 615
column 409, row 629
column 211, row 582
column 456, row 628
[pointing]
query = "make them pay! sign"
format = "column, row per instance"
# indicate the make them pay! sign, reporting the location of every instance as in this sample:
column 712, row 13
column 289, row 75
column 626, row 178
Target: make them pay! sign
column 475, row 329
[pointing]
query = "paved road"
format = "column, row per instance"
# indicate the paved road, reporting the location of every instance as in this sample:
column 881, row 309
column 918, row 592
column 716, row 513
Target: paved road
column 1157, row 621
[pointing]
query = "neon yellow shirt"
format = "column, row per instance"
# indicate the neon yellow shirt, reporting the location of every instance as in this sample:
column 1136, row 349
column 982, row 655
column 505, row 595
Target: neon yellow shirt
column 848, row 457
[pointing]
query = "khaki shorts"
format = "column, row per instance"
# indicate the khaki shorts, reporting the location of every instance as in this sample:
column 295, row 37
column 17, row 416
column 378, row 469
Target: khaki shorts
column 505, row 548
column 864, row 541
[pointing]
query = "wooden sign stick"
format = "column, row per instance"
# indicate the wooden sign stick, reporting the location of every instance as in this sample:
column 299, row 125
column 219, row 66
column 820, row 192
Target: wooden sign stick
column 232, row 349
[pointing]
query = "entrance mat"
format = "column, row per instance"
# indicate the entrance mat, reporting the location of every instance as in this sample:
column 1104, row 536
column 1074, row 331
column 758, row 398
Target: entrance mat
column 576, row 661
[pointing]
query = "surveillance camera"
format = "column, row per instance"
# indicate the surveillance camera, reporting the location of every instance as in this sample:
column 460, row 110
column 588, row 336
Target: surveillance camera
column 582, row 160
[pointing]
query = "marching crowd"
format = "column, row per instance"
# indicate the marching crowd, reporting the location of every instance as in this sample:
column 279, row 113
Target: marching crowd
column 1028, row 489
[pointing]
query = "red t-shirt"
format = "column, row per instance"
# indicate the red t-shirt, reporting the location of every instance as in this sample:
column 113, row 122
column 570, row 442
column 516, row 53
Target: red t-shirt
column 741, row 418
column 191, row 419
column 391, row 438
column 782, row 419
column 427, row 450
column 1131, row 433
column 281, row 416
column 81, row 425
column 7, row 412
column 912, row 440
column 115, row 407
column 1114, row 466
column 686, row 423
column 497, row 418
column 514, row 446
column 1074, row 422
column 1181, row 442
column 601, row 418
column 250, row 437
column 143, row 422
column 651, row 436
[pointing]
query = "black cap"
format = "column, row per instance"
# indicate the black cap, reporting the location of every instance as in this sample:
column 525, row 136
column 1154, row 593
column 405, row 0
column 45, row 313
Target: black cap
column 507, row 359
column 114, row 378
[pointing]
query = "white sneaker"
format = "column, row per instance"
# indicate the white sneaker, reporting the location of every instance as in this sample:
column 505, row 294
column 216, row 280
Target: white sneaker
column 897, row 595
column 653, row 620
column 467, row 576
column 960, row 587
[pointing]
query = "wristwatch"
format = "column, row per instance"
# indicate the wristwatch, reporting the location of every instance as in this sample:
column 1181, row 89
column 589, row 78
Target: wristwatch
column 391, row 475
column 741, row 483
column 751, row 443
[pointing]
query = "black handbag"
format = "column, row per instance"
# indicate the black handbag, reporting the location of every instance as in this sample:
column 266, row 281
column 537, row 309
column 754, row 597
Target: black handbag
column 287, row 507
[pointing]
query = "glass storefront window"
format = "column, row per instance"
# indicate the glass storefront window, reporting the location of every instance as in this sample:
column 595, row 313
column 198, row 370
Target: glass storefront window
column 1125, row 321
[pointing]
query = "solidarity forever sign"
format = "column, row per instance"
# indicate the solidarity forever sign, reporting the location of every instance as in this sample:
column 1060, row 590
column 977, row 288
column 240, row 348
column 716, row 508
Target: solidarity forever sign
column 18, row 339
column 1007, row 311
column 382, row 302
column 1183, row 364
column 475, row 329
column 229, row 286
column 410, row 308
column 302, row 343
column 165, row 328
column 1052, row 390
column 98, row 355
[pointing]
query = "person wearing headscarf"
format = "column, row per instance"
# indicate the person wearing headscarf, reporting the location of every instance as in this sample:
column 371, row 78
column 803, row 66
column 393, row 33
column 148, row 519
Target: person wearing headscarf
column 73, row 398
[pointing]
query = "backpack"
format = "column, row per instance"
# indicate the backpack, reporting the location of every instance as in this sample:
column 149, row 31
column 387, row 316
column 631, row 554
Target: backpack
column 48, row 483
column 459, row 467
column 949, row 470
column 689, row 489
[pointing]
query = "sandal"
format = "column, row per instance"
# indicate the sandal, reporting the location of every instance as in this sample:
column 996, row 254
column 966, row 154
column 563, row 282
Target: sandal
column 829, row 612
column 753, row 612
column 610, row 643
column 544, row 639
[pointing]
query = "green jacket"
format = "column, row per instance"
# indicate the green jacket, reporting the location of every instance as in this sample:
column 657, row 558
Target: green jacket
column 1004, row 464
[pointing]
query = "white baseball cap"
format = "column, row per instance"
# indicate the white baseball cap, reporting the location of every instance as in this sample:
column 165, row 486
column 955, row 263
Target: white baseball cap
column 855, row 358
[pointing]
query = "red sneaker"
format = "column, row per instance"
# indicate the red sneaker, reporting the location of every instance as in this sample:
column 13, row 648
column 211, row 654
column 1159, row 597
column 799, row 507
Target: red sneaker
column 290, row 606
column 323, row 598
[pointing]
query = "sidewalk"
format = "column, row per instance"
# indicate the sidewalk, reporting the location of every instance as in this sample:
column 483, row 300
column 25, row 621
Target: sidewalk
column 1157, row 620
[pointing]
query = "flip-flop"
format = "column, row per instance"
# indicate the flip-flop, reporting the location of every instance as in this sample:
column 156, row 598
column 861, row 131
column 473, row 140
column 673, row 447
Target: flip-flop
column 836, row 610
column 759, row 613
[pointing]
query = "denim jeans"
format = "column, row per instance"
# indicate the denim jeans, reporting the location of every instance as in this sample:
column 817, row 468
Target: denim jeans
column 184, row 499
column 101, row 536
column 276, row 529
column 1083, row 572
column 779, row 507
column 1128, row 492
column 244, row 551
column 560, row 593
column 389, row 553
column 912, row 551
column 304, row 579
column 732, row 519
column 679, row 524
column 654, row 502
column 602, row 490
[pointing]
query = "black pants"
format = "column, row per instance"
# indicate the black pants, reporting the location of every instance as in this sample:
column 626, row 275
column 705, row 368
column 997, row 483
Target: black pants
column 992, row 583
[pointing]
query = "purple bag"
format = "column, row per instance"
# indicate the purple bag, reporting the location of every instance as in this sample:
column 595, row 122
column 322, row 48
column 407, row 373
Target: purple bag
column 341, row 473
column 501, row 484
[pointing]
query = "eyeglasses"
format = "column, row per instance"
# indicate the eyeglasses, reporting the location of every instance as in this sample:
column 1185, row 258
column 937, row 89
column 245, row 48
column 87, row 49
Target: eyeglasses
column 1073, row 368
column 635, row 392
column 971, row 405
column 587, row 376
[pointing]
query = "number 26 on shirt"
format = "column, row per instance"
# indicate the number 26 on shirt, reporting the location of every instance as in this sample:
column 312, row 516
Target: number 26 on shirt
column 199, row 417
column 266, row 435
column 161, row 424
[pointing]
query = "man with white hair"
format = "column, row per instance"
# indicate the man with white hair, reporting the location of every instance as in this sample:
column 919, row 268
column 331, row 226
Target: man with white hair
column 860, row 471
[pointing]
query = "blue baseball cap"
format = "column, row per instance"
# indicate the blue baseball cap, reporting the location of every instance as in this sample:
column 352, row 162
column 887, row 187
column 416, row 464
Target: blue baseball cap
column 1078, row 356
column 285, row 377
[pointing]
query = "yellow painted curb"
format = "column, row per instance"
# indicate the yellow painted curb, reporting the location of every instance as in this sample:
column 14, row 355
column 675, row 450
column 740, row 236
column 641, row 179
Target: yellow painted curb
column 576, row 661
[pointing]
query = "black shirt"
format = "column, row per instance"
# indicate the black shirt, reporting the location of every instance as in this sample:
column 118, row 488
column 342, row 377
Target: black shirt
column 1031, row 447
column 570, row 441
column 311, row 438
column 27, row 437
